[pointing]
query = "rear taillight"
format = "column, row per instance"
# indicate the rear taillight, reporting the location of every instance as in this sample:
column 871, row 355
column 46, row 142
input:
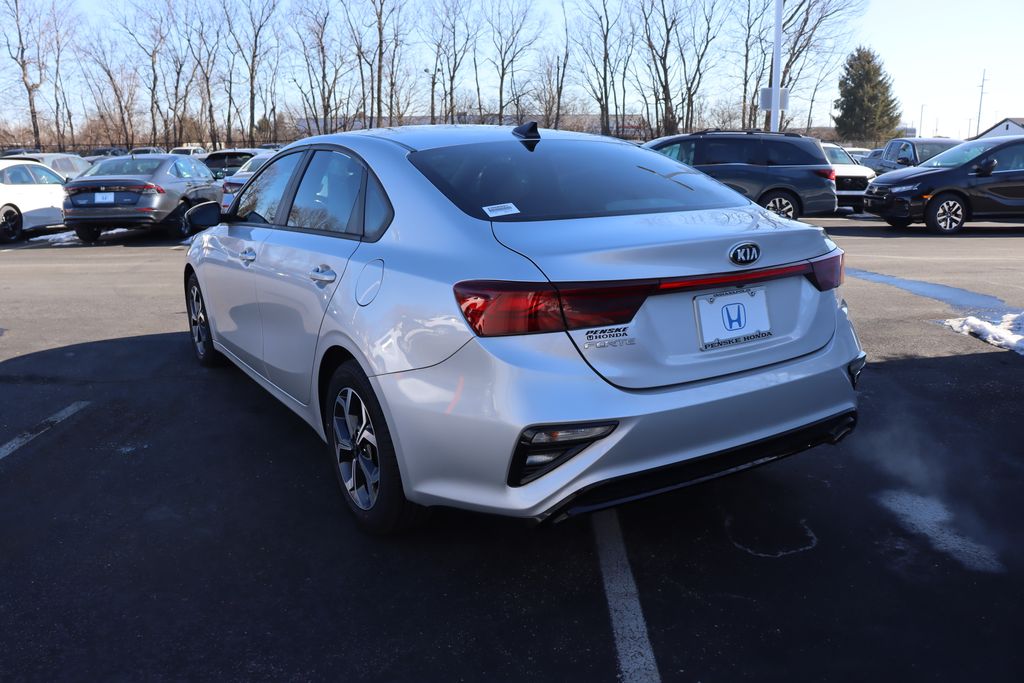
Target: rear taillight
column 495, row 308
column 151, row 188
column 231, row 188
column 829, row 174
column 828, row 272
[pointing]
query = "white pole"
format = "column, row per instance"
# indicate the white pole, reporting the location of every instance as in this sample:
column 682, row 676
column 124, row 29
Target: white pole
column 777, row 68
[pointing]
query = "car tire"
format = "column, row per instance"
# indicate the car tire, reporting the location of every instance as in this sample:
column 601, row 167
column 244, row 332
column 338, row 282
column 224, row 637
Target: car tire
column 946, row 214
column 199, row 325
column 782, row 203
column 898, row 223
column 176, row 225
column 11, row 223
column 363, row 455
column 88, row 234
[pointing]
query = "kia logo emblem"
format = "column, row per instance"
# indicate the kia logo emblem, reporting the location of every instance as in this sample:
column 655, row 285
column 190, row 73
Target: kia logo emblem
column 744, row 254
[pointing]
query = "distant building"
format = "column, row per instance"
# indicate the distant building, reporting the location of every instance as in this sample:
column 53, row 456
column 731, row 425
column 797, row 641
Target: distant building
column 1004, row 127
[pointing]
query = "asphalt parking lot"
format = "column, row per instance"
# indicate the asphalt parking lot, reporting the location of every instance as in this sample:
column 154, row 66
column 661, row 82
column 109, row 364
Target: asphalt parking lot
column 163, row 521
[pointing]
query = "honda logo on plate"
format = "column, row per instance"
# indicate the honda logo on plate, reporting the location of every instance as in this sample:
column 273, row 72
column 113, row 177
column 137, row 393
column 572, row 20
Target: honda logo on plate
column 744, row 254
column 734, row 317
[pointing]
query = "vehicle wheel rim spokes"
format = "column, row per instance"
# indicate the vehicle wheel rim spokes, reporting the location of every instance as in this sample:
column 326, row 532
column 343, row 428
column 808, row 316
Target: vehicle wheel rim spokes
column 950, row 215
column 355, row 445
column 781, row 206
column 197, row 318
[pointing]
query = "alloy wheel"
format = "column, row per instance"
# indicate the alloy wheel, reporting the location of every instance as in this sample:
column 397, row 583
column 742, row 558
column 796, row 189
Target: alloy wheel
column 197, row 319
column 10, row 224
column 950, row 215
column 781, row 206
column 355, row 446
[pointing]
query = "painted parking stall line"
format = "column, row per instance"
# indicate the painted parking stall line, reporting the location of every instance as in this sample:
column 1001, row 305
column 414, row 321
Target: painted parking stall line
column 632, row 644
column 44, row 426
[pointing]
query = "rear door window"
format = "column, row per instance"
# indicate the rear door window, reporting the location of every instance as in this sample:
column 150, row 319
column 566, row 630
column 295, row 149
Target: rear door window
column 45, row 176
column 782, row 152
column 326, row 197
column 723, row 150
column 681, row 151
column 18, row 175
column 262, row 196
column 556, row 179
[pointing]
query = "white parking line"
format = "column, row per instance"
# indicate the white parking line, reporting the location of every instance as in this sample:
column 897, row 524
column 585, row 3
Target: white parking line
column 636, row 658
column 55, row 419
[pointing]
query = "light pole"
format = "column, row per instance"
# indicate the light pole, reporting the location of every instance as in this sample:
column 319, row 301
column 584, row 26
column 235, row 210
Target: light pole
column 777, row 68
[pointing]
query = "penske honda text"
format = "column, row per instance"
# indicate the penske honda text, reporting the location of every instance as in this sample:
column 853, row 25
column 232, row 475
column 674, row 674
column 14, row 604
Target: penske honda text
column 522, row 322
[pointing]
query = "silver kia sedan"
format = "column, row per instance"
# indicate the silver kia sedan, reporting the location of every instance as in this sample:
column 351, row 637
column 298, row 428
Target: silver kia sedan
column 523, row 322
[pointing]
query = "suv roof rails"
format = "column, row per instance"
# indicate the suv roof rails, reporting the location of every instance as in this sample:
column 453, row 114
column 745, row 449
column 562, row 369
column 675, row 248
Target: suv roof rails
column 746, row 131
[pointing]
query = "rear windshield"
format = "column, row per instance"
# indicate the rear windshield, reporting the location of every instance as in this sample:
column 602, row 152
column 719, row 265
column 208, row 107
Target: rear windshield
column 227, row 160
column 125, row 167
column 506, row 181
column 838, row 155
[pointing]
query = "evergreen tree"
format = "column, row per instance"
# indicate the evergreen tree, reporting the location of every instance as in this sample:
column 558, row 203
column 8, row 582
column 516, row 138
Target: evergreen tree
column 867, row 108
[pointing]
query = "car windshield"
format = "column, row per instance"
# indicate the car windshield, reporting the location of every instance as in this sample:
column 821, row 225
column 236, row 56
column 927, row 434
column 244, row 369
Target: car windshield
column 838, row 155
column 961, row 154
column 254, row 164
column 145, row 167
column 926, row 150
column 556, row 179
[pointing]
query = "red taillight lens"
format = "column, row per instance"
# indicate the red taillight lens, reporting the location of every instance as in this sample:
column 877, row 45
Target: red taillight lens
column 231, row 188
column 601, row 305
column 828, row 272
column 495, row 309
column 830, row 174
column 151, row 188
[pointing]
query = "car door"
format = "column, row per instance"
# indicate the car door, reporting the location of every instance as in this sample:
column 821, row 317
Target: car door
column 888, row 160
column 203, row 188
column 303, row 262
column 230, row 252
column 733, row 160
column 41, row 198
column 1002, row 191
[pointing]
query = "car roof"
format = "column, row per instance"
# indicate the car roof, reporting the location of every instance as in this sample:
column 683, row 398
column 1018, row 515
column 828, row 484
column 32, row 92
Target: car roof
column 953, row 140
column 36, row 156
column 9, row 161
column 415, row 138
column 235, row 150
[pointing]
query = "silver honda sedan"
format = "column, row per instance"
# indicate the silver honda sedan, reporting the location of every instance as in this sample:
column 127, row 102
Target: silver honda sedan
column 523, row 322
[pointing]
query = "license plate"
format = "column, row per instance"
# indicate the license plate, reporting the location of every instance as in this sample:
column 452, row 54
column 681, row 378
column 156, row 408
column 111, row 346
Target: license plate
column 736, row 316
column 103, row 198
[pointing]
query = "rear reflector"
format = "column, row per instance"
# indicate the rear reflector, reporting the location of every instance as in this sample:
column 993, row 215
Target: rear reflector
column 829, row 174
column 495, row 308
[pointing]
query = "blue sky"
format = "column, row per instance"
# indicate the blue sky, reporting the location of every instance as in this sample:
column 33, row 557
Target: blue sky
column 934, row 50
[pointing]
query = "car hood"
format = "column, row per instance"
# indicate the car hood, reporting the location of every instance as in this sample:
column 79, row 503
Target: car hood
column 913, row 174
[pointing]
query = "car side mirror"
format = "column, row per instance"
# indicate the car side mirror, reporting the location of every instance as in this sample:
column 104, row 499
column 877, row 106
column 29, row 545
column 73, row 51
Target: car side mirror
column 986, row 167
column 903, row 161
column 202, row 216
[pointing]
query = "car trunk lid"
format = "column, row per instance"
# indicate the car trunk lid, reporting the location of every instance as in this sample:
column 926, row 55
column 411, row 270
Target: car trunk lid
column 108, row 191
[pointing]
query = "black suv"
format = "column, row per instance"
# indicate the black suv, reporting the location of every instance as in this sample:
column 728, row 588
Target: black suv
column 784, row 172
column 978, row 179
column 902, row 152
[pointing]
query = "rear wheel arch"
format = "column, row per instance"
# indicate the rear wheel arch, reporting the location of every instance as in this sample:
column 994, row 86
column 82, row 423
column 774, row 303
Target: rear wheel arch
column 331, row 360
column 189, row 271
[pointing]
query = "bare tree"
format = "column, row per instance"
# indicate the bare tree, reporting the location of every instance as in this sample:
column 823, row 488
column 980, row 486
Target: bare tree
column 512, row 35
column 658, row 24
column 451, row 28
column 60, row 26
column 204, row 39
column 251, row 33
column 697, row 35
column 107, row 76
column 26, row 46
column 324, row 64
column 595, row 33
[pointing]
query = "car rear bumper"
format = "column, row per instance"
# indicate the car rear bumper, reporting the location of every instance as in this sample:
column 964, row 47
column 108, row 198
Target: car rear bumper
column 456, row 424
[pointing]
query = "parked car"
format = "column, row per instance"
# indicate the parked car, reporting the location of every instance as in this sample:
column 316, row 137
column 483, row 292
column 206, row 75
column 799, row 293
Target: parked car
column 188, row 150
column 67, row 165
column 31, row 196
column 272, row 146
column 611, row 323
column 902, row 152
column 851, row 178
column 974, row 180
column 872, row 159
column 784, row 172
column 234, row 183
column 857, row 152
column 147, row 191
column 104, row 152
column 135, row 151
column 226, row 162
column 18, row 150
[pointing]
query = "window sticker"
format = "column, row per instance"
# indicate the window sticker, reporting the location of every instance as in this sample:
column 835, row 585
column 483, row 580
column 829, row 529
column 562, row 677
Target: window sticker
column 495, row 210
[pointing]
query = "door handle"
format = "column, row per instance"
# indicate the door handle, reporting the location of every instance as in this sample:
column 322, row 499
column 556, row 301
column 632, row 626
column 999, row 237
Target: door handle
column 247, row 255
column 322, row 274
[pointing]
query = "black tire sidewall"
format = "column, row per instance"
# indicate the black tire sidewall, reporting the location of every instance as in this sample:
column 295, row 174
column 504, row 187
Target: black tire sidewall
column 87, row 234
column 386, row 514
column 932, row 212
column 209, row 356
column 20, row 232
column 175, row 222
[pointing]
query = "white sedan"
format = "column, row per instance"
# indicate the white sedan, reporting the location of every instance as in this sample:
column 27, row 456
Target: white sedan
column 31, row 196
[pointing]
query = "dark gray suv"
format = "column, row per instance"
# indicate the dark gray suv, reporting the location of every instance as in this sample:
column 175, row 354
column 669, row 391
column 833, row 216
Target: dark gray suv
column 784, row 172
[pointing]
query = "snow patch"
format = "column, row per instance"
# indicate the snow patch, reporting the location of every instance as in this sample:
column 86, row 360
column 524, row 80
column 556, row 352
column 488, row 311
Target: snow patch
column 1006, row 334
column 930, row 518
column 58, row 238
